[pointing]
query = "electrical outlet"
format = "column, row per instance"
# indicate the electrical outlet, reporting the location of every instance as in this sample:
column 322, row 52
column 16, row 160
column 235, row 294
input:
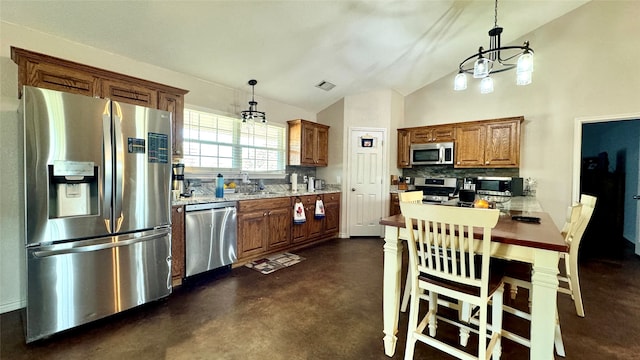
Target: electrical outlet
column 305, row 179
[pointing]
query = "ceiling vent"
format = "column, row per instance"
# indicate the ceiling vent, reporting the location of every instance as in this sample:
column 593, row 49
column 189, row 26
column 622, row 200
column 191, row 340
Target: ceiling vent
column 325, row 85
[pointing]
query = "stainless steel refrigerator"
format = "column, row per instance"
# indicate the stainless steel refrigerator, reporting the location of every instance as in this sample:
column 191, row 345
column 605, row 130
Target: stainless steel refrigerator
column 97, row 184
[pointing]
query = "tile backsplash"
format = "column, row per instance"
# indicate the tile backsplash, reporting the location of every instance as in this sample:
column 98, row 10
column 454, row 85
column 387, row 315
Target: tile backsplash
column 450, row 171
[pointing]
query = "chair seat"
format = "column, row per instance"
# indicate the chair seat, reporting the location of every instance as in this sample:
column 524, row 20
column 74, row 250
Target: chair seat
column 496, row 274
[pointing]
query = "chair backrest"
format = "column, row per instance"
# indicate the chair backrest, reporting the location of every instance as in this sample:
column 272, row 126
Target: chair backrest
column 443, row 245
column 574, row 236
column 411, row 196
column 573, row 215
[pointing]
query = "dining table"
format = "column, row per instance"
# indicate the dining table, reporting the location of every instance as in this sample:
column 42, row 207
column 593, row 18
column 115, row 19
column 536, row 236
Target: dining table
column 539, row 244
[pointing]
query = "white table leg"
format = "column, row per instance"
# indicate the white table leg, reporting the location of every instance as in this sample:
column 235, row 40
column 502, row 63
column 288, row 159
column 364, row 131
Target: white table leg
column 391, row 287
column 544, row 303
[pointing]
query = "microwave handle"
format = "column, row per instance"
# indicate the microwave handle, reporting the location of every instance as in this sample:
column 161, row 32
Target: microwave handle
column 441, row 156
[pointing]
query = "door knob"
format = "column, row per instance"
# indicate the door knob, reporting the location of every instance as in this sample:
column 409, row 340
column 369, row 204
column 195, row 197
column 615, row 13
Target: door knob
column 353, row 189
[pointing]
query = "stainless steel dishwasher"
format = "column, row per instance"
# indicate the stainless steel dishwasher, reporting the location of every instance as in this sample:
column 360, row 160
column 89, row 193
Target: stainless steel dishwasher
column 210, row 239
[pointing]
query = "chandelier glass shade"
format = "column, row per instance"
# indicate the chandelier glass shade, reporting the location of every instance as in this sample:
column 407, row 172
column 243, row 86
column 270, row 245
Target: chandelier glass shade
column 252, row 114
column 494, row 60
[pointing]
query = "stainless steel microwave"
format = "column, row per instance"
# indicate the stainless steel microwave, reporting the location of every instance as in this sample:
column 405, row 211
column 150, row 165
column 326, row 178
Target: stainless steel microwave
column 499, row 186
column 432, row 154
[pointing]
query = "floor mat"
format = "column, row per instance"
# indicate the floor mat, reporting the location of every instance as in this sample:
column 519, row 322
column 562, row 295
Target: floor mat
column 274, row 263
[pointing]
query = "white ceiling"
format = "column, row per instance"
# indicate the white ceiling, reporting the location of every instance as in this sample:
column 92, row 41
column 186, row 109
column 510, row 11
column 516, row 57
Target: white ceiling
column 290, row 46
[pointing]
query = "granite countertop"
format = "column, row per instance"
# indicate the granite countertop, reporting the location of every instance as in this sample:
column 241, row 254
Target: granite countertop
column 200, row 199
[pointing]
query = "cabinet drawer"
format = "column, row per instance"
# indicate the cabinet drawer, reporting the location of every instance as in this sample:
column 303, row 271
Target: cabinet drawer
column 263, row 204
column 331, row 198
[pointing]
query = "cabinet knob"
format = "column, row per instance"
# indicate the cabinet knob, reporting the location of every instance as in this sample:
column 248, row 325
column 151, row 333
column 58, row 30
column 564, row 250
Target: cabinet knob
column 458, row 163
column 265, row 214
column 487, row 162
column 179, row 210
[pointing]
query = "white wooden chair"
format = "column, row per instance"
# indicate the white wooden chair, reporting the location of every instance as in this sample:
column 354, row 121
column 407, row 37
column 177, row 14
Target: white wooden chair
column 414, row 197
column 577, row 220
column 443, row 260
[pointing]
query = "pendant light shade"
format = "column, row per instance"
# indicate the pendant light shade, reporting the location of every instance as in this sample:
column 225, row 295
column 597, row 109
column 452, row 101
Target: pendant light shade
column 486, row 85
column 460, row 82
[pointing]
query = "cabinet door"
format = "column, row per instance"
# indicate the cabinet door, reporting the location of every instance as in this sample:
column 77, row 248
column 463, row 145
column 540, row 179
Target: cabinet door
column 503, row 145
column 470, row 145
column 404, row 146
column 443, row 133
column 177, row 245
column 60, row 78
column 315, row 225
column 129, row 93
column 322, row 146
column 252, row 227
column 279, row 227
column 332, row 213
column 309, row 137
column 394, row 204
column 175, row 105
column 421, row 135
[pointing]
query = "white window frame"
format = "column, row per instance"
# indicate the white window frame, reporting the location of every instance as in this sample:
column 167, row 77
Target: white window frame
column 238, row 127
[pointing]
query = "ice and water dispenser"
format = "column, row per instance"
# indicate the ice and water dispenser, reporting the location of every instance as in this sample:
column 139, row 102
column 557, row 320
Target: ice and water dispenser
column 73, row 189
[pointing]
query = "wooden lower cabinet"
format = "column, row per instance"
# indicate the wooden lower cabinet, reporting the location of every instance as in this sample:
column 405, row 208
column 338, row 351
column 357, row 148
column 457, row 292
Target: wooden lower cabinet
column 332, row 212
column 263, row 225
column 177, row 245
column 312, row 227
column 266, row 226
column 394, row 204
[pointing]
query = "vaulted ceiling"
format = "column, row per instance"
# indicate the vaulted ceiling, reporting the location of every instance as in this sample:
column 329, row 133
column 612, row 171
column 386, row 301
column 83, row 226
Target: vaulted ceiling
column 290, row 46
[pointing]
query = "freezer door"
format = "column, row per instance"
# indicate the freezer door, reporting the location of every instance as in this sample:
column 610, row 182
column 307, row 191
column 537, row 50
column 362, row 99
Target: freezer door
column 67, row 185
column 75, row 283
column 142, row 160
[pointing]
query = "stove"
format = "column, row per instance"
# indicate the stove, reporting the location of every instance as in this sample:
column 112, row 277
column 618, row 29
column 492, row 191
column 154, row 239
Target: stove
column 436, row 190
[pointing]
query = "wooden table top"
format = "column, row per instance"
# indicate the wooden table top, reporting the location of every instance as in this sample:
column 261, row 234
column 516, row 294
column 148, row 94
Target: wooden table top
column 541, row 236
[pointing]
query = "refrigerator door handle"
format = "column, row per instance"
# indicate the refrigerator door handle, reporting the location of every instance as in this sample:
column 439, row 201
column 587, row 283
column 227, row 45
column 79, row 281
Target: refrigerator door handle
column 107, row 168
column 96, row 247
column 119, row 167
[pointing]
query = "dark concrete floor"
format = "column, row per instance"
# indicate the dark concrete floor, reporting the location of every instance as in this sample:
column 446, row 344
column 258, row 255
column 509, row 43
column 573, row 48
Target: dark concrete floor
column 326, row 307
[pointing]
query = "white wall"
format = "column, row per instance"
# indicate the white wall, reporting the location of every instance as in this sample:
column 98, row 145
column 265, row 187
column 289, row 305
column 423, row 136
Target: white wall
column 584, row 66
column 201, row 94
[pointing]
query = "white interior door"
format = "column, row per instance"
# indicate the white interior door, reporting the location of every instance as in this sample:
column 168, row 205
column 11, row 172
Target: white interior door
column 366, row 169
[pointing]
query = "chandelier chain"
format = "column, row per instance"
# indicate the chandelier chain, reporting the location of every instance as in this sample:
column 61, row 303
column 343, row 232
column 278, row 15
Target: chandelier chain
column 495, row 15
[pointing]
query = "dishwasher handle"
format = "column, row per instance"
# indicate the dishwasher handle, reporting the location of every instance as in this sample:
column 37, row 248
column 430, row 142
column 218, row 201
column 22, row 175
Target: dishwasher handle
column 210, row 206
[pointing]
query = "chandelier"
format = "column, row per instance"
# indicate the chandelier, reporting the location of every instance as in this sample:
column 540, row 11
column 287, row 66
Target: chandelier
column 495, row 60
column 252, row 113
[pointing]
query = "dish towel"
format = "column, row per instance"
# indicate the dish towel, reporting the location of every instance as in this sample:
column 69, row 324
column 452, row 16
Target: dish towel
column 319, row 209
column 298, row 213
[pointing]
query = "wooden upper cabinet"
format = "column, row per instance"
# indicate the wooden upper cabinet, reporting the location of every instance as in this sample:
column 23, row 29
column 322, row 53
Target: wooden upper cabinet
column 308, row 143
column 428, row 134
column 503, row 144
column 129, row 93
column 48, row 72
column 55, row 77
column 175, row 105
column 404, row 146
column 469, row 147
column 491, row 143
